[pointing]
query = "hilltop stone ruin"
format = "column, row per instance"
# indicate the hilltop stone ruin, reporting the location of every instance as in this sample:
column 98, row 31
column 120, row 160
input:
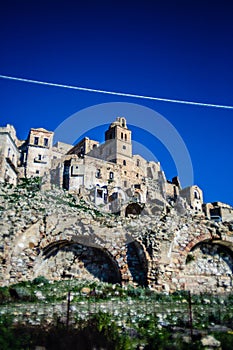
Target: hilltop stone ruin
column 94, row 211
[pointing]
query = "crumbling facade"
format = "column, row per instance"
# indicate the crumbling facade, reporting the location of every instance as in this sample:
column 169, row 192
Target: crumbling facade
column 63, row 236
column 36, row 152
column 9, row 155
column 163, row 238
column 113, row 176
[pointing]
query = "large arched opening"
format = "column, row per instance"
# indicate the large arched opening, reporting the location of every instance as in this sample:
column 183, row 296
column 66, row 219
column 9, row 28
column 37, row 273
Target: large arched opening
column 65, row 259
column 209, row 267
column 133, row 209
column 137, row 263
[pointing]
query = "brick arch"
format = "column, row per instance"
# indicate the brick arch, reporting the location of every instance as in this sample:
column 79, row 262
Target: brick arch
column 137, row 260
column 209, row 264
column 30, row 245
column 95, row 262
column 181, row 248
column 202, row 238
column 225, row 245
column 195, row 240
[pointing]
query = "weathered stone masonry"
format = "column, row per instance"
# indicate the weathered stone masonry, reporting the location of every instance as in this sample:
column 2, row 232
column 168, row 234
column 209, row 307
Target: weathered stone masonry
column 160, row 236
column 44, row 235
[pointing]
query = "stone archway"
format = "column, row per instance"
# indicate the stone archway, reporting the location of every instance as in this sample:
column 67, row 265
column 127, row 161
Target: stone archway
column 137, row 263
column 66, row 259
column 133, row 208
column 209, row 266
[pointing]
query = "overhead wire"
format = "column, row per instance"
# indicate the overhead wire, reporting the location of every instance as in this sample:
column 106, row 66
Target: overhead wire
column 116, row 93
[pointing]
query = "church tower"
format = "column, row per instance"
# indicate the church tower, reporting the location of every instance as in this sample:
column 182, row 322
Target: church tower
column 118, row 141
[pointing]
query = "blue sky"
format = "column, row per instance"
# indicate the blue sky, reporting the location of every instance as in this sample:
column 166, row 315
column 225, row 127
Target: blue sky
column 172, row 49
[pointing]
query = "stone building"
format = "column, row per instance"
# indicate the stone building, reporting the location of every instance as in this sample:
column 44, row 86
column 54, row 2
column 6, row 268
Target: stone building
column 110, row 172
column 193, row 196
column 218, row 211
column 60, row 149
column 36, row 152
column 59, row 235
column 9, row 155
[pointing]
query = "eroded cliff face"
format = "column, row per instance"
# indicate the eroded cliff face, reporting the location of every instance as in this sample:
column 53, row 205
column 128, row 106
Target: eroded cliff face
column 58, row 235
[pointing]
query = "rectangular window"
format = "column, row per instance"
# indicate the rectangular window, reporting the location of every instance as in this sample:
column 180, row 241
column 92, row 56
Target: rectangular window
column 98, row 174
column 125, row 183
column 39, row 157
column 124, row 147
column 138, row 186
column 111, row 175
column 24, row 156
column 36, row 140
column 99, row 193
column 37, row 171
column 46, row 142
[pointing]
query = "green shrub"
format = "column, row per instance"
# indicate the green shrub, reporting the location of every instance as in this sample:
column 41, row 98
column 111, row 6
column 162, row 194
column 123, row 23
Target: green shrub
column 103, row 332
column 226, row 339
column 8, row 339
column 30, row 184
column 4, row 295
column 40, row 280
column 21, row 293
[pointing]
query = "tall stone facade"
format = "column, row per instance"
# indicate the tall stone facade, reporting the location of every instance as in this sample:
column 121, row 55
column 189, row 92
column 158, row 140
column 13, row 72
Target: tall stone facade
column 36, row 152
column 9, row 155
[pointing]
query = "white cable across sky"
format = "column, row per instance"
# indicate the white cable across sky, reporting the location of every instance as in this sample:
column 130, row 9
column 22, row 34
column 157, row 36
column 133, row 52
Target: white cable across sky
column 123, row 94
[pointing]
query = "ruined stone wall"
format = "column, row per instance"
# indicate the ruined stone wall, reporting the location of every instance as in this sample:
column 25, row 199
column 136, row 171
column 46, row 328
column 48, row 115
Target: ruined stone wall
column 170, row 190
column 194, row 197
column 84, row 146
column 225, row 211
column 61, row 236
column 91, row 172
column 9, row 158
column 11, row 131
column 227, row 214
column 60, row 149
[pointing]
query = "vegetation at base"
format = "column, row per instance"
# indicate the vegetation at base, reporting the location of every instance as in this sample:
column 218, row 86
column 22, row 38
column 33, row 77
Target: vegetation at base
column 100, row 332
column 27, row 188
column 10, row 339
column 97, row 332
column 55, row 291
column 225, row 338
column 124, row 319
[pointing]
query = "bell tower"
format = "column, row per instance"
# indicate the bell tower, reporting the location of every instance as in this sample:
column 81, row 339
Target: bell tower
column 118, row 140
